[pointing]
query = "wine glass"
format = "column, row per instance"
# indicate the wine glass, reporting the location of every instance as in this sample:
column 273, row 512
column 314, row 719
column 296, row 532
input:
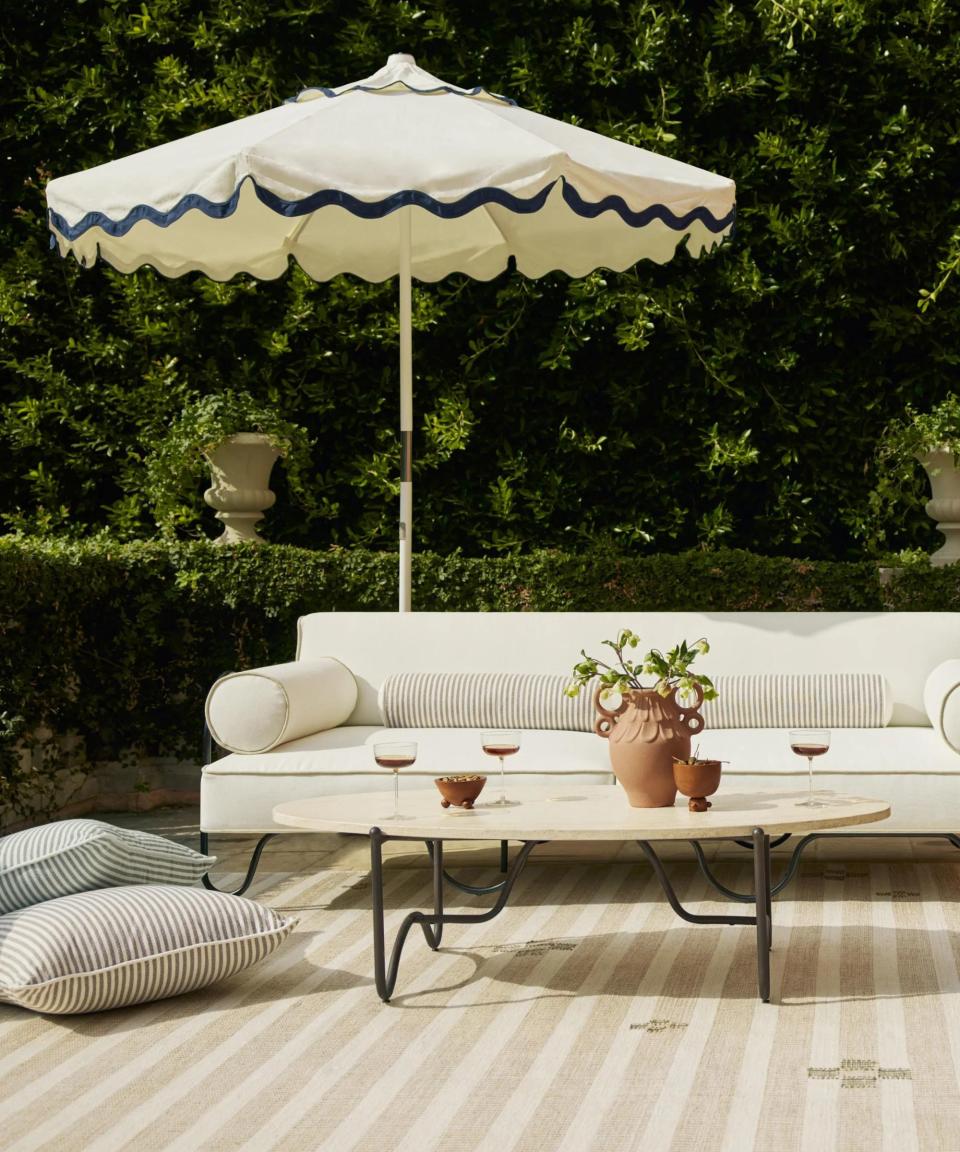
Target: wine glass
column 501, row 743
column 810, row 742
column 395, row 754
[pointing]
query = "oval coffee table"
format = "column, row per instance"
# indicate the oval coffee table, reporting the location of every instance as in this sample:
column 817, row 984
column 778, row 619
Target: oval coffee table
column 586, row 812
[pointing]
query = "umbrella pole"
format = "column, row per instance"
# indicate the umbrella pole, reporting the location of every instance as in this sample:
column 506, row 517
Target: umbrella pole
column 406, row 412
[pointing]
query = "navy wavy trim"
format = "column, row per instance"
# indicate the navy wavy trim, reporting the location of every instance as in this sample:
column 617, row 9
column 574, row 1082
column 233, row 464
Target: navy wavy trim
column 409, row 87
column 380, row 208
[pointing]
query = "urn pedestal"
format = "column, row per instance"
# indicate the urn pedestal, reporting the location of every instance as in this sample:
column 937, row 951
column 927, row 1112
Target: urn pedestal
column 240, row 485
column 944, row 479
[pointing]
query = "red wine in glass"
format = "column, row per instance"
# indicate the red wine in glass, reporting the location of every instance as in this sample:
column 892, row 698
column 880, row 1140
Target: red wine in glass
column 395, row 755
column 810, row 743
column 500, row 744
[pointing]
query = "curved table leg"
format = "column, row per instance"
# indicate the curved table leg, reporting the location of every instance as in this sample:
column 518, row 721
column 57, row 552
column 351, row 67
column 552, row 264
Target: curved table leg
column 763, row 920
column 747, row 897
column 471, row 889
column 431, row 924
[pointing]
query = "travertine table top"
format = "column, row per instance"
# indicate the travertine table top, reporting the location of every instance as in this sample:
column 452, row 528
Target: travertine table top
column 578, row 812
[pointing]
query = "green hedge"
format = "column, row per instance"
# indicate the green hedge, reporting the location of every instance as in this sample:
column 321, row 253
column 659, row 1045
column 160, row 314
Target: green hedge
column 118, row 643
column 735, row 399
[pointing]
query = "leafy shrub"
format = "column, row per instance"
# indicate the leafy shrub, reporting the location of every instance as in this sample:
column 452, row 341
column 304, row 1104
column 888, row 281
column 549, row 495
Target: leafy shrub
column 733, row 400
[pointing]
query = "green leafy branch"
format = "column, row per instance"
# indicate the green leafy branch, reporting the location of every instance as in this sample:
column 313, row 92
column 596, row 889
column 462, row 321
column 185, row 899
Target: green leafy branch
column 671, row 670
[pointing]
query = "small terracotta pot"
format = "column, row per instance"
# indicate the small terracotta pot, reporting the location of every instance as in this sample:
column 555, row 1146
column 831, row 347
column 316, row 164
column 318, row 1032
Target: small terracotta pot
column 698, row 780
column 460, row 790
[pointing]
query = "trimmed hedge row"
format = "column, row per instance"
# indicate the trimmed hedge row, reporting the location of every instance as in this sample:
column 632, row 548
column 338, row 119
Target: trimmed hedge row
column 118, row 643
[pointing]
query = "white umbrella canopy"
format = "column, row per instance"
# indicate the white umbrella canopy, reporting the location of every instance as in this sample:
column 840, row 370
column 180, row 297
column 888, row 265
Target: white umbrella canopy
column 400, row 174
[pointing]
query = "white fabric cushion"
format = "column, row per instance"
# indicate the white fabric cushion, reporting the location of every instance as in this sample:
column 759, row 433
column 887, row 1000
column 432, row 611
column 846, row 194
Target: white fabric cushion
column 864, row 751
column 348, row 751
column 76, row 855
column 941, row 698
column 98, row 950
column 256, row 710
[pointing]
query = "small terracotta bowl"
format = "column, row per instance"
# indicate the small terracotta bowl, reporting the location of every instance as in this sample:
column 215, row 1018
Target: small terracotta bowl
column 698, row 781
column 460, row 790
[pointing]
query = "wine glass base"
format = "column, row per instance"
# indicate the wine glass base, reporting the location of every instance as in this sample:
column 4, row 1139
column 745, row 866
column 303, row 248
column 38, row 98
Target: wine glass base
column 812, row 804
column 502, row 803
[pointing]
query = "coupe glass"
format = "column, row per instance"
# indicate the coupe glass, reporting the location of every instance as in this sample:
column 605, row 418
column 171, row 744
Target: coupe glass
column 395, row 754
column 810, row 742
column 500, row 743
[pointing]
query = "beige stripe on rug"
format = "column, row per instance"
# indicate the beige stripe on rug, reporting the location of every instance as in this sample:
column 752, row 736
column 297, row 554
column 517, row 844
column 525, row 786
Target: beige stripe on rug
column 586, row 1017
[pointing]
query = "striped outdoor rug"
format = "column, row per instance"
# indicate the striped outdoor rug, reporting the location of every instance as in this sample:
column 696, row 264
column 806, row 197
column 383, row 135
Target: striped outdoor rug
column 587, row 1016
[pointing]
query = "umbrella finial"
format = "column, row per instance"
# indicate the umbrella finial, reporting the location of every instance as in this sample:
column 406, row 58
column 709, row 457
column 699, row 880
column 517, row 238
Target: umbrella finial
column 401, row 58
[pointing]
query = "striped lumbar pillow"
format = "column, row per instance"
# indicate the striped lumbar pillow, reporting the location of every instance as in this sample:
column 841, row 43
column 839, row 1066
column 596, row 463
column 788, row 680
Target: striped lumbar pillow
column 484, row 700
column 77, row 855
column 98, row 950
column 815, row 700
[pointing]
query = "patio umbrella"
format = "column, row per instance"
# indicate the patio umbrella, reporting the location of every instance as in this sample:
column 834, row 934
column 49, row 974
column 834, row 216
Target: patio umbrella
column 400, row 174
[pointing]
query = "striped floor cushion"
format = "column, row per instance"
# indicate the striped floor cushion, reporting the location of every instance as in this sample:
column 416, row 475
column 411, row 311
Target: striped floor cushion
column 78, row 855
column 484, row 700
column 119, row 946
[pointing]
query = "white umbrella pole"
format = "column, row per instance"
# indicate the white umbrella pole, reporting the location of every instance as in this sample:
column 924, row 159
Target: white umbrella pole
column 406, row 412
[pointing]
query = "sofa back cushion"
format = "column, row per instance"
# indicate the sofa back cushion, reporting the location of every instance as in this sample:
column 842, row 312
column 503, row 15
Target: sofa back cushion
column 520, row 700
column 484, row 700
column 823, row 700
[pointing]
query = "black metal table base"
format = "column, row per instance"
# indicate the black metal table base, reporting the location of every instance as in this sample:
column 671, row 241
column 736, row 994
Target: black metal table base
column 799, row 848
column 432, row 923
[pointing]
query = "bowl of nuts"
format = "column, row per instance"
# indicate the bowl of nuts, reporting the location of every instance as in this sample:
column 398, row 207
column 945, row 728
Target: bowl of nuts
column 460, row 791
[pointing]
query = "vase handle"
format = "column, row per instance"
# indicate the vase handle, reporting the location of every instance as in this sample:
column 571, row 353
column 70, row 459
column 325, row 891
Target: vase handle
column 608, row 717
column 688, row 715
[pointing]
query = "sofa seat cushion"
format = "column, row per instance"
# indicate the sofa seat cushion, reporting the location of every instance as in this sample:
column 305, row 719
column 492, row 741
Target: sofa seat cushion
column 349, row 751
column 862, row 751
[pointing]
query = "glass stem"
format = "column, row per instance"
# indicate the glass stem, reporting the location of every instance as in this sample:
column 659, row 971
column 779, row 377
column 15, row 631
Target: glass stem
column 396, row 795
column 503, row 783
column 810, row 776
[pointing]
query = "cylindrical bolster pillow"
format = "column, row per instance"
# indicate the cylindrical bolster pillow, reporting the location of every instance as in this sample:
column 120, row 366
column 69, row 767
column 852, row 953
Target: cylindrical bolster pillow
column 256, row 710
column 941, row 698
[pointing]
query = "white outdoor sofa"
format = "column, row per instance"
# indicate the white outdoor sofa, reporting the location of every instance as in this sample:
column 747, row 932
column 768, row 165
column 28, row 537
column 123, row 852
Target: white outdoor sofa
column 307, row 728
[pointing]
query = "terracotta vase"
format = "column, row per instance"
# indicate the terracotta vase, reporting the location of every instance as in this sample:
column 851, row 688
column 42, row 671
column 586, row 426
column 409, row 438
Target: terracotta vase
column 646, row 732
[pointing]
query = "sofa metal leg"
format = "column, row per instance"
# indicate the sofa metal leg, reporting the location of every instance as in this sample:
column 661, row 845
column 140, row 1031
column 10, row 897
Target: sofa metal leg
column 504, row 857
column 251, row 870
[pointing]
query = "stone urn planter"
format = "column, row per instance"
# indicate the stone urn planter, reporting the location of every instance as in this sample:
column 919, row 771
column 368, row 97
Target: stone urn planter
column 944, row 477
column 240, row 469
column 647, row 733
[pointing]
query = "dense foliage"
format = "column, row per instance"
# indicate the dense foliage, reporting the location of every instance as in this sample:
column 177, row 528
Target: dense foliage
column 733, row 399
column 117, row 644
